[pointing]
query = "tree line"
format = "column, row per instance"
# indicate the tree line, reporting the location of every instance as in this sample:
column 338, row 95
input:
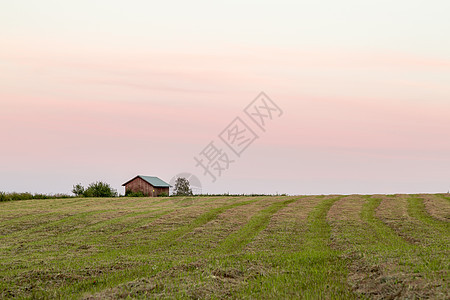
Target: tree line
column 95, row 189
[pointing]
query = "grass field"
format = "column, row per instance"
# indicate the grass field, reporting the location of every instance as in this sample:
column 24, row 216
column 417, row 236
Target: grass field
column 312, row 247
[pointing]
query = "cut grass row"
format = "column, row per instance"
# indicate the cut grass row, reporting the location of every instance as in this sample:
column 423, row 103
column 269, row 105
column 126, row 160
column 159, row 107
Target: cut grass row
column 416, row 209
column 237, row 240
column 232, row 243
column 133, row 253
column 259, row 247
column 397, row 257
column 314, row 271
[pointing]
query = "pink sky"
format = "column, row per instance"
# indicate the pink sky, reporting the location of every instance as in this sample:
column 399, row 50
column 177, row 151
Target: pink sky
column 358, row 118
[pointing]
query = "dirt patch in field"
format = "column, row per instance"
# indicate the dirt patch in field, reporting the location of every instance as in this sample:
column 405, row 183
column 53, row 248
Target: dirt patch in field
column 437, row 207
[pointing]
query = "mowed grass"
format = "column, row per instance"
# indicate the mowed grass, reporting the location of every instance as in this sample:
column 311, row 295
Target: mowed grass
column 286, row 247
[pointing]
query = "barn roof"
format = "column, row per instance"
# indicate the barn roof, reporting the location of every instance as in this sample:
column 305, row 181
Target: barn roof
column 154, row 181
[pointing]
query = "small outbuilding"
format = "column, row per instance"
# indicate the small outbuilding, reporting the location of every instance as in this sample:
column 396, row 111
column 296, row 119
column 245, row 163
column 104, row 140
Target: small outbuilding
column 149, row 185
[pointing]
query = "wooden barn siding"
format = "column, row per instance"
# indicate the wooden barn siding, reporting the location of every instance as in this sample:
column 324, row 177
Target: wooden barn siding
column 138, row 184
column 160, row 190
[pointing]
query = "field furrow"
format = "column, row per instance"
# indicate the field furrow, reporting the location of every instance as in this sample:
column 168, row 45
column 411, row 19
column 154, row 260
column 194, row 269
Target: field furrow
column 211, row 235
column 239, row 239
column 308, row 247
column 312, row 270
column 437, row 206
column 417, row 209
column 386, row 259
column 145, row 257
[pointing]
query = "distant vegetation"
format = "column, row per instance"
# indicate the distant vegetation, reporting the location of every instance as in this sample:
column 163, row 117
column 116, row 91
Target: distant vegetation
column 100, row 189
column 95, row 189
column 28, row 196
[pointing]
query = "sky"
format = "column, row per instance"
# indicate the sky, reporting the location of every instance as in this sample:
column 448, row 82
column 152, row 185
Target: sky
column 106, row 90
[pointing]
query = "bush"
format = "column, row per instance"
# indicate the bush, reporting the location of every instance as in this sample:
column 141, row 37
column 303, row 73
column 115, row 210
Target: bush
column 130, row 193
column 21, row 196
column 163, row 195
column 61, row 196
column 78, row 190
column 41, row 196
column 28, row 196
column 99, row 189
column 3, row 197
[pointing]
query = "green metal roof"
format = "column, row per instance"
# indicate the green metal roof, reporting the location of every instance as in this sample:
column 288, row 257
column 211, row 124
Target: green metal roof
column 155, row 181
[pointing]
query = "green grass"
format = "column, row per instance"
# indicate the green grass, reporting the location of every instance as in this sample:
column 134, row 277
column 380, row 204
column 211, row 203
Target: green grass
column 270, row 247
column 416, row 209
column 235, row 241
column 393, row 253
column 313, row 271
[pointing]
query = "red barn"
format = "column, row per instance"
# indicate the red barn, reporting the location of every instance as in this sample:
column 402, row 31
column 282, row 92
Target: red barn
column 149, row 185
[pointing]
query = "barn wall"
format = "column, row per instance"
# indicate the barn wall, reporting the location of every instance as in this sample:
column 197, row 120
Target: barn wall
column 140, row 185
column 161, row 190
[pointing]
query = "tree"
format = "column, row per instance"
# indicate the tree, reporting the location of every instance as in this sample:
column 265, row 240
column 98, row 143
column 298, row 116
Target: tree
column 78, row 190
column 182, row 187
column 95, row 189
column 100, row 189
